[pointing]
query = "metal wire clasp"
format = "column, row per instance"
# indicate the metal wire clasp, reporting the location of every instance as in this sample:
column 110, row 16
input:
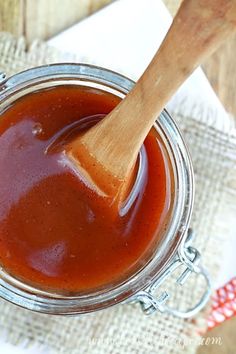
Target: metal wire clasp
column 3, row 79
column 189, row 257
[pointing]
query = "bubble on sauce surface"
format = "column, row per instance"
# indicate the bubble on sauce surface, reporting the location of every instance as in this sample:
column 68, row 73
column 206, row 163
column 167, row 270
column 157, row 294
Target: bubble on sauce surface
column 37, row 129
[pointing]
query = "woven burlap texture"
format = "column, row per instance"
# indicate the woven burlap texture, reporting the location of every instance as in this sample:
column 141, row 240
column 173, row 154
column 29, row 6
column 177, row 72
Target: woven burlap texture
column 124, row 328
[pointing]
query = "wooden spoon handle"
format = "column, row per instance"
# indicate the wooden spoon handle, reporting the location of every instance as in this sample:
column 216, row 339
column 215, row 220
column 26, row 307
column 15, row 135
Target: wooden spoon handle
column 198, row 28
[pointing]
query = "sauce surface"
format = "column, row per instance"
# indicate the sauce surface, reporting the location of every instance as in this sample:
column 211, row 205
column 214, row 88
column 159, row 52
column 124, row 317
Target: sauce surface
column 54, row 232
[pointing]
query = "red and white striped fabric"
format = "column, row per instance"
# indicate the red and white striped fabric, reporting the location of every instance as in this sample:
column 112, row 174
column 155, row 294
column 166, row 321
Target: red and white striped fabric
column 223, row 304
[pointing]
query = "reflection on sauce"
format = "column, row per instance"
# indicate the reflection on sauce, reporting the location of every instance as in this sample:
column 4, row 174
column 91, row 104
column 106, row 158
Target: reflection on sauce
column 54, row 231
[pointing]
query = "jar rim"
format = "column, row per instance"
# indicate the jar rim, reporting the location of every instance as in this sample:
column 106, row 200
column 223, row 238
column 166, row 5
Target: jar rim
column 176, row 233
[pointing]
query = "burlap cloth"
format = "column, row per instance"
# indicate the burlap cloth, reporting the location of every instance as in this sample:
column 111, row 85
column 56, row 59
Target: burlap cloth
column 124, row 328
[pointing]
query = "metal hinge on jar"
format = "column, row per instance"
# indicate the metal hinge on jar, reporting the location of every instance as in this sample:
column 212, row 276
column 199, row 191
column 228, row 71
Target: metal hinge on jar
column 190, row 258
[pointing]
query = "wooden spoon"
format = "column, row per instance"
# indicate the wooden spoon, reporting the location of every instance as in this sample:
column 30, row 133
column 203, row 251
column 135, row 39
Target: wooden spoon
column 107, row 152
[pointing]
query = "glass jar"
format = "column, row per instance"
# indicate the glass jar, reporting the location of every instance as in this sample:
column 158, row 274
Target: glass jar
column 175, row 247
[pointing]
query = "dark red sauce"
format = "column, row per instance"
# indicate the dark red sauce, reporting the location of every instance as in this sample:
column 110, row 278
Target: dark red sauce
column 51, row 235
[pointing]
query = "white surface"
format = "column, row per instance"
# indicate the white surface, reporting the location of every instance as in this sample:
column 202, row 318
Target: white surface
column 124, row 36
